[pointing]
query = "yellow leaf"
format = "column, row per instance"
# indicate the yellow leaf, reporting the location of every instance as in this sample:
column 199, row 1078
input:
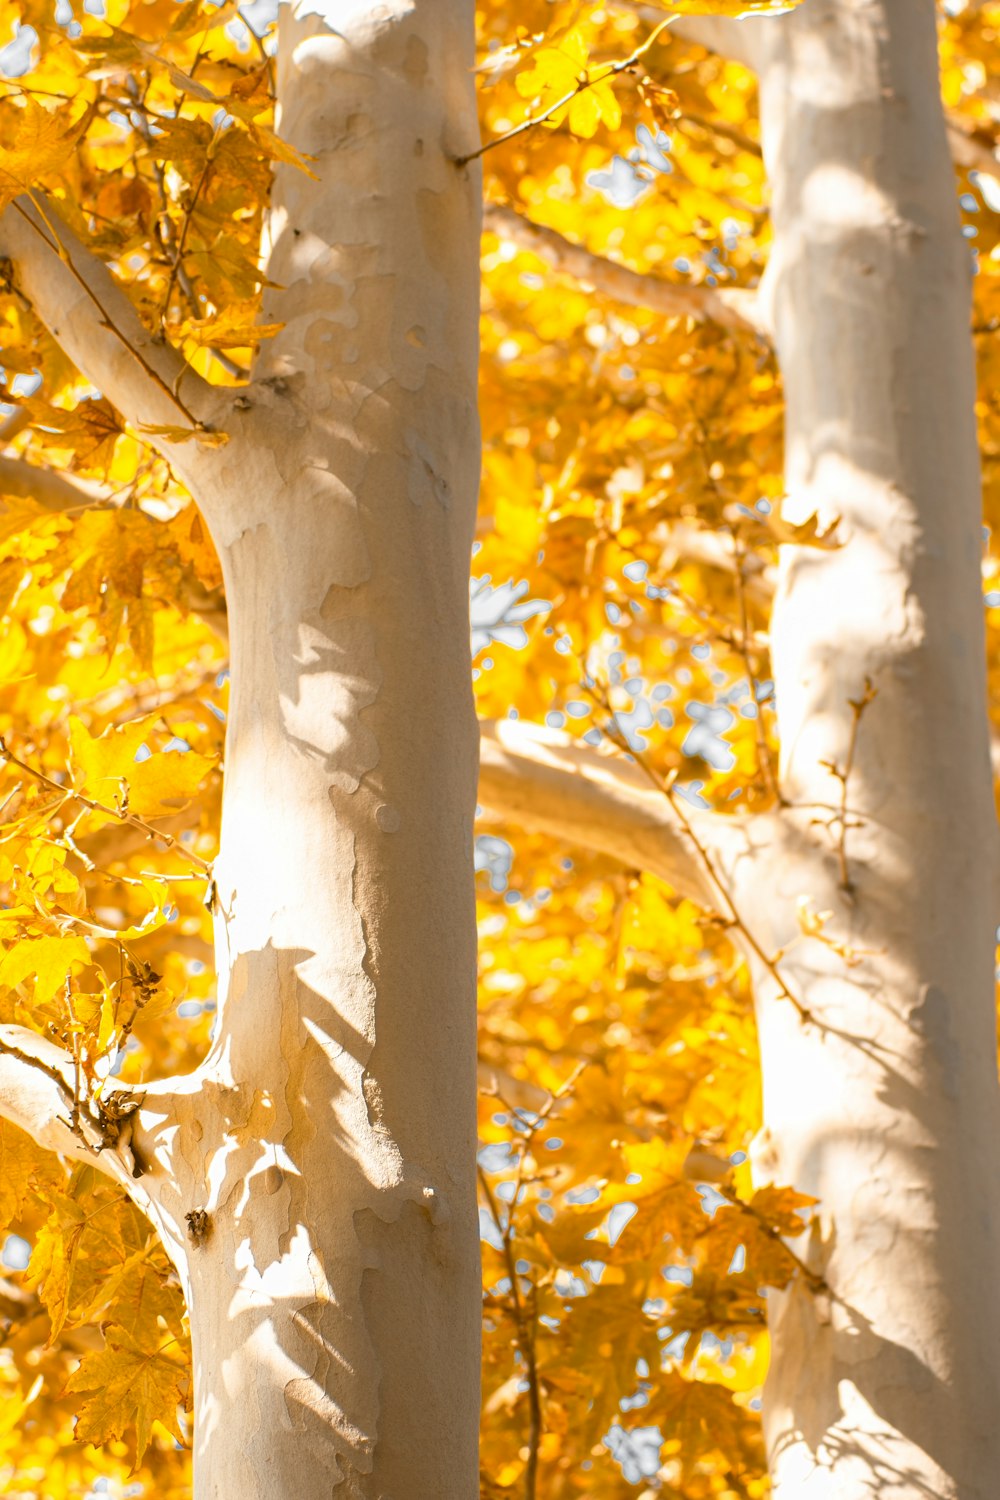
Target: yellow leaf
column 40, row 142
column 17, row 1160
column 126, row 1386
column 152, row 787
column 49, row 959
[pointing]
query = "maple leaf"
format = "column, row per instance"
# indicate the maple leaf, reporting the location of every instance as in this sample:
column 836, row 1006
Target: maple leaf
column 109, row 769
column 558, row 71
column 38, row 143
column 17, row 1162
column 125, row 1385
column 49, row 959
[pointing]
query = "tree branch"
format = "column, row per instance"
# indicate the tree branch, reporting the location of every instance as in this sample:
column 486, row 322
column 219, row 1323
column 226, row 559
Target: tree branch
column 736, row 41
column 724, row 35
column 74, row 294
column 549, row 783
column 36, row 1093
column 729, row 307
column 54, row 491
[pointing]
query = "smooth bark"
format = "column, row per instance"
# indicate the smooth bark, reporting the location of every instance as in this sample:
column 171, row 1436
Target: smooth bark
column 887, row 1108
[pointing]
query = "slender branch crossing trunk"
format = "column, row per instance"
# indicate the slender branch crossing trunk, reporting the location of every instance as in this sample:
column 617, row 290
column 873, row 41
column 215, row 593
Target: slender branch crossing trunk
column 886, row 1106
column 334, row 1298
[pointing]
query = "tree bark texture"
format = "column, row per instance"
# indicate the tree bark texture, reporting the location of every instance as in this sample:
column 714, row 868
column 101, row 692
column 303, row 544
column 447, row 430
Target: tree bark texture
column 885, row 1106
column 334, row 1299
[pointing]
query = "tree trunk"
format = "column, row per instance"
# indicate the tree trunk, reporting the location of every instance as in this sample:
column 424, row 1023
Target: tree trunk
column 884, row 1104
column 334, row 1298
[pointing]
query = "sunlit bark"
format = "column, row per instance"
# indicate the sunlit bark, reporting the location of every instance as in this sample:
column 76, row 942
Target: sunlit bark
column 887, row 1108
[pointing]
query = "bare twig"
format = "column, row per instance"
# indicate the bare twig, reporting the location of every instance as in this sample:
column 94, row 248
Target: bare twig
column 765, row 763
column 731, row 914
column 839, row 822
column 526, row 1318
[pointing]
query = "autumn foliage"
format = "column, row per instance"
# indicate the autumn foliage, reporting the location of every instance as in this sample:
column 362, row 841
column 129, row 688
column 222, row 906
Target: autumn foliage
column 629, row 525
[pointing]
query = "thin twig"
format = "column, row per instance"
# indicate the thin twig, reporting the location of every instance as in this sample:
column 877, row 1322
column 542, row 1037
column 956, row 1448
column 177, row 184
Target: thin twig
column 765, row 763
column 840, row 820
column 120, row 814
column 167, row 238
column 56, row 245
column 732, row 915
column 583, row 84
column 526, row 1323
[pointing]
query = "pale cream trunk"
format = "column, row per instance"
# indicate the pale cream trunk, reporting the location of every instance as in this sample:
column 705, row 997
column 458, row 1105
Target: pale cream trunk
column 887, row 1107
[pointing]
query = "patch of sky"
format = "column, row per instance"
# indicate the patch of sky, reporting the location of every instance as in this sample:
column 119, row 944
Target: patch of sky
column 488, row 1231
column 583, row 1195
column 637, row 1453
column 633, row 721
column 238, row 33
column 26, row 385
column 705, row 739
column 712, row 1344
column 577, row 709
column 496, row 1157
column 682, row 1275
column 16, row 57
column 568, row 1285
column 711, row 1199
column 691, row 792
column 16, row 1253
column 634, row 1402
column 592, row 737
column 188, row 1009
column 988, row 188
column 738, row 1262
column 497, row 614
column 494, row 855
column 619, row 1216
column 629, row 177
column 259, row 15
column 636, row 571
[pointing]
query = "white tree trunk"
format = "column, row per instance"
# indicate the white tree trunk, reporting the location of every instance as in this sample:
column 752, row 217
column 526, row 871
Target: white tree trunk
column 886, row 1105
column 335, row 1300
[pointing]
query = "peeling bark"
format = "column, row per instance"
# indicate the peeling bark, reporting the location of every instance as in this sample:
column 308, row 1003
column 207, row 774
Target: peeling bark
column 332, row 1139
